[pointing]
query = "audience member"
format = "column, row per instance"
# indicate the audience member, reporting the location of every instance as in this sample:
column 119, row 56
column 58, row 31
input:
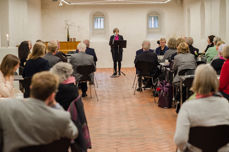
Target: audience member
column 146, row 56
column 31, row 122
column 218, row 62
column 210, row 42
column 80, row 59
column 207, row 109
column 23, row 52
column 144, row 43
column 212, row 52
column 59, row 54
column 89, row 51
column 36, row 63
column 193, row 50
column 50, row 56
column 172, row 49
column 8, row 67
column 67, row 91
column 183, row 60
column 162, row 48
column 179, row 41
column 224, row 75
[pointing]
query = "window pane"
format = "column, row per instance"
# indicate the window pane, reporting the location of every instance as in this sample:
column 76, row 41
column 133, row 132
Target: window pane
column 99, row 22
column 153, row 22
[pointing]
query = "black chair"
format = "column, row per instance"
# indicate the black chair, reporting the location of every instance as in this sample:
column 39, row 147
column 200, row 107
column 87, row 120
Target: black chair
column 26, row 85
column 85, row 71
column 147, row 70
column 209, row 139
column 61, row 145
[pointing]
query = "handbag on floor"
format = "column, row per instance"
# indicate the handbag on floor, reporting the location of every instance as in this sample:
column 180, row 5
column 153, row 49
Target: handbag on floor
column 165, row 95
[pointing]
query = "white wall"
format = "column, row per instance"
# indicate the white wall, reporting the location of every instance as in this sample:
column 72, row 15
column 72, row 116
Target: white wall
column 211, row 17
column 131, row 20
column 4, row 21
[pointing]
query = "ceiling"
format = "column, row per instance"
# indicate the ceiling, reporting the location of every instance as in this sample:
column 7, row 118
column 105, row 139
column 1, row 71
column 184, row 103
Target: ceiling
column 105, row 2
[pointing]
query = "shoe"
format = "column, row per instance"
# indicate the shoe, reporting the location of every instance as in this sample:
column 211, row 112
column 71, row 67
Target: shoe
column 119, row 73
column 114, row 74
column 84, row 94
column 139, row 89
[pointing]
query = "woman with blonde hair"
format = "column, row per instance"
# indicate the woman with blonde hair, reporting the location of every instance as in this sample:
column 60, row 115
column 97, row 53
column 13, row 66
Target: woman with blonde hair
column 183, row 60
column 8, row 67
column 35, row 61
column 205, row 110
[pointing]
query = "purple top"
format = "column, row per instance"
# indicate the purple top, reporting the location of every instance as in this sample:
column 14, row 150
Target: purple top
column 116, row 37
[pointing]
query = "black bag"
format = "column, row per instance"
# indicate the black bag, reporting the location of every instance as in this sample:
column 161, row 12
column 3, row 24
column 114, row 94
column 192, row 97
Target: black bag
column 166, row 95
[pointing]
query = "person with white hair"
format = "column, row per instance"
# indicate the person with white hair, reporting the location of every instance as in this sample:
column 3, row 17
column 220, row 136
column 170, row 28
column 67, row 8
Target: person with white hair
column 81, row 59
column 218, row 62
column 67, row 90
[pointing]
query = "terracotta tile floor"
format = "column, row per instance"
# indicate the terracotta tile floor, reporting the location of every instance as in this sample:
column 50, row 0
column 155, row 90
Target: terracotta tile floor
column 123, row 122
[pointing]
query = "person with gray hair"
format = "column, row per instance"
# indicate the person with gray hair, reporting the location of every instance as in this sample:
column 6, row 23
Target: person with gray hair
column 212, row 51
column 67, row 90
column 193, row 50
column 50, row 56
column 82, row 59
column 89, row 51
column 218, row 62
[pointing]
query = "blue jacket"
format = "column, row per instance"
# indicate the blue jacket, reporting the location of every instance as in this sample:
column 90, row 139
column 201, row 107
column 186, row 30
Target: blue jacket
column 161, row 52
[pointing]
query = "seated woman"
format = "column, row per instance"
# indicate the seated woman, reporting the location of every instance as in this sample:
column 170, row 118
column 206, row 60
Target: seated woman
column 8, row 67
column 218, row 62
column 224, row 76
column 210, row 42
column 67, row 91
column 183, row 60
column 206, row 109
column 212, row 52
column 23, row 52
column 34, row 65
column 172, row 45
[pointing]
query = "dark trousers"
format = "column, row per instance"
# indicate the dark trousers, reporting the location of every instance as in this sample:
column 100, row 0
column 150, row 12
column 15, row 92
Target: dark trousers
column 119, row 66
column 83, row 86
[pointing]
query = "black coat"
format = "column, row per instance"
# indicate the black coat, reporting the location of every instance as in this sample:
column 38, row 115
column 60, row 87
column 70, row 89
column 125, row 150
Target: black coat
column 34, row 66
column 194, row 50
column 217, row 64
column 66, row 94
column 116, row 53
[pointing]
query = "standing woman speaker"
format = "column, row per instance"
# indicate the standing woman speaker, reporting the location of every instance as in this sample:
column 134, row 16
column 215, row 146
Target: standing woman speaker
column 116, row 51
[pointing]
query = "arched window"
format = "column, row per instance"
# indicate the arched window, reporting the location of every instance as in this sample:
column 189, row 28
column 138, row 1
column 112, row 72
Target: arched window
column 98, row 21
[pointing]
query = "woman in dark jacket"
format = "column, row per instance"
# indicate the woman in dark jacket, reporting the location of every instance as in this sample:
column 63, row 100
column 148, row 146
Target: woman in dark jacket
column 23, row 52
column 116, row 52
column 210, row 42
column 67, row 91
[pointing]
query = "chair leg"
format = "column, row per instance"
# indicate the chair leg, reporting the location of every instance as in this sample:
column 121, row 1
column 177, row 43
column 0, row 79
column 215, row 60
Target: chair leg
column 134, row 80
column 96, row 94
column 96, row 83
column 136, row 83
column 90, row 91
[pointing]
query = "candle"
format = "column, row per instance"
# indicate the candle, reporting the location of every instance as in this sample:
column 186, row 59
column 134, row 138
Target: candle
column 7, row 37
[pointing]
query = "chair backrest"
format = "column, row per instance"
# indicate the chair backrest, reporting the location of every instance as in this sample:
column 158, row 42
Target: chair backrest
column 26, row 84
column 209, row 139
column 187, row 72
column 61, row 145
column 85, row 71
column 145, row 68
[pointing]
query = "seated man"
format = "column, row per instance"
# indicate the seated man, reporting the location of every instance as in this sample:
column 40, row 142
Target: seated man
column 80, row 59
column 138, row 52
column 146, row 56
column 50, row 56
column 31, row 122
column 89, row 51
column 162, row 48
column 192, row 49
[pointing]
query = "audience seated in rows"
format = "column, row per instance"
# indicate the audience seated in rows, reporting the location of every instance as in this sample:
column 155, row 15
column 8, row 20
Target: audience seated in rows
column 67, row 90
column 172, row 45
column 162, row 48
column 36, row 62
column 224, row 75
column 8, row 67
column 192, row 49
column 50, row 56
column 89, row 51
column 80, row 59
column 183, row 60
column 210, row 42
column 207, row 109
column 149, row 57
column 212, row 52
column 32, row 121
column 218, row 62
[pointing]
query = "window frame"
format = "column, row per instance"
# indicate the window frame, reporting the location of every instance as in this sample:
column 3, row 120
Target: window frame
column 153, row 30
column 94, row 18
